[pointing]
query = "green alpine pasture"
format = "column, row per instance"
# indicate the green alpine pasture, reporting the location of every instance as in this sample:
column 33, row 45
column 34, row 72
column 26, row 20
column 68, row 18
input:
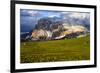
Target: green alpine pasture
column 55, row 50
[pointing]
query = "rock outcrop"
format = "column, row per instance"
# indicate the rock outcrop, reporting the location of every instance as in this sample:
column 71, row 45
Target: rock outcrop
column 48, row 29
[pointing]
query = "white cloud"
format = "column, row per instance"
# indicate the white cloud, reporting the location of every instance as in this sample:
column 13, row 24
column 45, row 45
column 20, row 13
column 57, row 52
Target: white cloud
column 23, row 10
column 79, row 15
column 53, row 16
column 32, row 13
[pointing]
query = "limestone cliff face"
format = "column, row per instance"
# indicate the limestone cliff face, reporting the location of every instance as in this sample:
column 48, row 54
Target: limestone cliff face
column 48, row 29
column 58, row 33
column 73, row 31
column 38, row 34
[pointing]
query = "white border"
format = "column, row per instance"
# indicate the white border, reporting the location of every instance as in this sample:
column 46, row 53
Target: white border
column 51, row 64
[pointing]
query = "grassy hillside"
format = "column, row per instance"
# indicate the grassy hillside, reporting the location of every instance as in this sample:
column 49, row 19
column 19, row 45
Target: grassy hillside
column 56, row 50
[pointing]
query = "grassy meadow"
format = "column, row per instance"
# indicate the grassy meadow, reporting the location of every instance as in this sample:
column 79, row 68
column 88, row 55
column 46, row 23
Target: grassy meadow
column 55, row 50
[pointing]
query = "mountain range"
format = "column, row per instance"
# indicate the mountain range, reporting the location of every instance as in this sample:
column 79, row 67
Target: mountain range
column 49, row 28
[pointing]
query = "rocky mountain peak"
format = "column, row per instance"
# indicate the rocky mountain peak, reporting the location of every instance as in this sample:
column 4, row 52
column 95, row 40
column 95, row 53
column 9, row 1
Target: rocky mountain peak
column 52, row 28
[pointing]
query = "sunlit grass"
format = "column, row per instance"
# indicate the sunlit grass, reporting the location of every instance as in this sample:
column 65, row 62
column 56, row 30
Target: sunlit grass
column 56, row 50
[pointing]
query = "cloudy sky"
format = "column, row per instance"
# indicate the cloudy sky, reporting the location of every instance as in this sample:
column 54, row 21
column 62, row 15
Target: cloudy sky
column 29, row 18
